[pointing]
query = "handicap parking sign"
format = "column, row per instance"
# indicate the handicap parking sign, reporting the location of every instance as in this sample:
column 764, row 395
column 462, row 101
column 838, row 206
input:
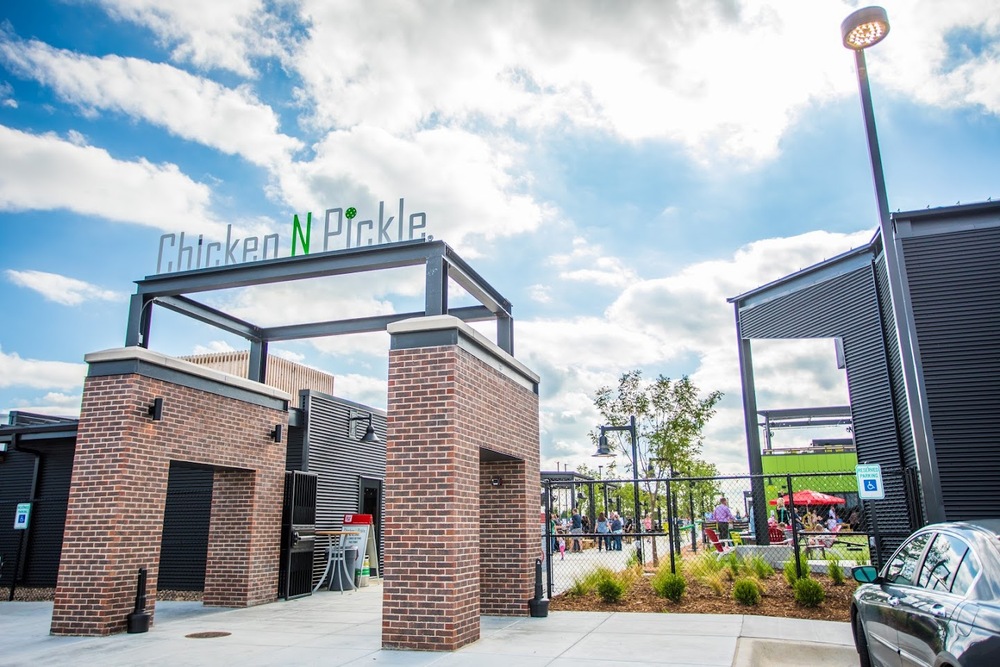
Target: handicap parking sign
column 21, row 516
column 870, row 482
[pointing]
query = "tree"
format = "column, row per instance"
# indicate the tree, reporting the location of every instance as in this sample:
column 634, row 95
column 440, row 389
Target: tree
column 670, row 417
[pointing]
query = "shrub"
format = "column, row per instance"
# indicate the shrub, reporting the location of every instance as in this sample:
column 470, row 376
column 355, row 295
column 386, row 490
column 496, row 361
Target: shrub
column 611, row 588
column 836, row 572
column 669, row 585
column 587, row 583
column 809, row 593
column 789, row 570
column 746, row 591
column 758, row 567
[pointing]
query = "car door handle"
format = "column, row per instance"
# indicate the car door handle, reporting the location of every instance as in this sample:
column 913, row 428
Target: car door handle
column 893, row 601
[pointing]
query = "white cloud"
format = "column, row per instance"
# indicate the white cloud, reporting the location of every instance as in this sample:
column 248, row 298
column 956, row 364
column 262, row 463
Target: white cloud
column 365, row 165
column 683, row 320
column 646, row 70
column 362, row 389
column 61, row 289
column 233, row 121
column 589, row 264
column 7, row 95
column 91, row 182
column 221, row 35
column 53, row 403
column 39, row 374
column 927, row 54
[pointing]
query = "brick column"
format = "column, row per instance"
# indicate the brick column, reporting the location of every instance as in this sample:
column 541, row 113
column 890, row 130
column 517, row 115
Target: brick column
column 461, row 411
column 117, row 494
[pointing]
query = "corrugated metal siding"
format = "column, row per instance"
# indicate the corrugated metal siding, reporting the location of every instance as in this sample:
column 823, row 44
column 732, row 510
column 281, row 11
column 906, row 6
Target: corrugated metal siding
column 40, row 565
column 48, row 520
column 186, row 516
column 954, row 283
column 15, row 487
column 340, row 462
column 294, row 450
column 846, row 306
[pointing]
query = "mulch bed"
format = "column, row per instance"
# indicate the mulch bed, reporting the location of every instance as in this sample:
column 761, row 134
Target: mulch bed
column 778, row 599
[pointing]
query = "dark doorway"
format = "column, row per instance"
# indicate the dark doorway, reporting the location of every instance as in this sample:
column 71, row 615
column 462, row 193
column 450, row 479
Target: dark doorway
column 370, row 502
column 186, row 516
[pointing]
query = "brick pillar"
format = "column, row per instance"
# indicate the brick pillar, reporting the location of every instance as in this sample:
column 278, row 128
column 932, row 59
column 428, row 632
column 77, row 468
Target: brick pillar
column 460, row 410
column 114, row 518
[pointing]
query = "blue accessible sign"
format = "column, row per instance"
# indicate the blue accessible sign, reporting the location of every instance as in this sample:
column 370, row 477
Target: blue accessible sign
column 870, row 482
column 21, row 516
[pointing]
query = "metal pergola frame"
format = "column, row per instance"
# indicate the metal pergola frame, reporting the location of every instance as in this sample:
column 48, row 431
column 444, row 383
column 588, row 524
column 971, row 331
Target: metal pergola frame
column 440, row 261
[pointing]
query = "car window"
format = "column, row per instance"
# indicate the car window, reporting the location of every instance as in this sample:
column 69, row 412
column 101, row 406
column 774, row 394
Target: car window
column 966, row 574
column 943, row 558
column 902, row 569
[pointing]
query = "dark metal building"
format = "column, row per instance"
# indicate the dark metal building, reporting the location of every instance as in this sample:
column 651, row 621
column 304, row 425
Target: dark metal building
column 929, row 411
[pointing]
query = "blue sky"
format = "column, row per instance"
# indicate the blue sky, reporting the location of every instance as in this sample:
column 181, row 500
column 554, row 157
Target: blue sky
column 616, row 170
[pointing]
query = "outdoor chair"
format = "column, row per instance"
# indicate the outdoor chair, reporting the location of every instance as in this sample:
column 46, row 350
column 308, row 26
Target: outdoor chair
column 776, row 536
column 722, row 547
column 822, row 542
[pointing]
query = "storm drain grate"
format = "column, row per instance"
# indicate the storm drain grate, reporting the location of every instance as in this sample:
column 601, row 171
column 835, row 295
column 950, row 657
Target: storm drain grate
column 207, row 635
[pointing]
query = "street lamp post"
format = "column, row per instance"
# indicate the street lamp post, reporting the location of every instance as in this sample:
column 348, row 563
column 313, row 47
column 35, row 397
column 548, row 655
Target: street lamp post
column 604, row 450
column 864, row 28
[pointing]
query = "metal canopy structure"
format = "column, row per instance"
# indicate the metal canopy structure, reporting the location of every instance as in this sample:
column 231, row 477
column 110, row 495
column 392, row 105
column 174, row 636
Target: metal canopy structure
column 172, row 291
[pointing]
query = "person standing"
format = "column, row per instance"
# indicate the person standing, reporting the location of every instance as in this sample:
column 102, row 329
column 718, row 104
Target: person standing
column 723, row 516
column 616, row 530
column 603, row 532
column 576, row 530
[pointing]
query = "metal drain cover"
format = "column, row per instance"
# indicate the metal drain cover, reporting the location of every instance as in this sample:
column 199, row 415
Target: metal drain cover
column 207, row 635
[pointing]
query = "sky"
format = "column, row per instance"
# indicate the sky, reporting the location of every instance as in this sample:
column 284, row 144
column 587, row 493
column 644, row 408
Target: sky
column 615, row 170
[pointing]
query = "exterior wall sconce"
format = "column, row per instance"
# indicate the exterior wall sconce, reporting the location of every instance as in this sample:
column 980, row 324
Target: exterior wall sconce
column 276, row 433
column 369, row 437
column 496, row 481
column 156, row 409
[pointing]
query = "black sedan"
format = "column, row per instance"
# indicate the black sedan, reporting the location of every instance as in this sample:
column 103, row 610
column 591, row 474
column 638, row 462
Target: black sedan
column 936, row 602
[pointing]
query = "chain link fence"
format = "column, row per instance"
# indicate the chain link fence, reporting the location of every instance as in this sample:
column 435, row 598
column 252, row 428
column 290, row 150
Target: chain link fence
column 809, row 519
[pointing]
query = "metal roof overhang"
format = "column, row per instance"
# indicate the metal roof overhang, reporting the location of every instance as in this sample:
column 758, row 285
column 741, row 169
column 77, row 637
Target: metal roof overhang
column 172, row 291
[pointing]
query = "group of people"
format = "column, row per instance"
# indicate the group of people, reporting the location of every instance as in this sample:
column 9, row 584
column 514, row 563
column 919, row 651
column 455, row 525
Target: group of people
column 609, row 529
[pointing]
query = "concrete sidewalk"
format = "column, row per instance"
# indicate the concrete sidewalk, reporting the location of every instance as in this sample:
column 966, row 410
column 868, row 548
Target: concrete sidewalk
column 330, row 629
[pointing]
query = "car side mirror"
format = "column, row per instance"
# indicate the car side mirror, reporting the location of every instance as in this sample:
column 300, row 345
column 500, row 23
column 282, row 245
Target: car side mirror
column 865, row 574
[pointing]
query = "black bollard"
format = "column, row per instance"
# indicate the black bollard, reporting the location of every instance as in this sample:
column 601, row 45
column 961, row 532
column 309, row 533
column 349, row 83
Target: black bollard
column 538, row 606
column 138, row 620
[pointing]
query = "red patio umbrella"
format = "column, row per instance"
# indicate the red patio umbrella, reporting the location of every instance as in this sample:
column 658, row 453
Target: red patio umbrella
column 807, row 497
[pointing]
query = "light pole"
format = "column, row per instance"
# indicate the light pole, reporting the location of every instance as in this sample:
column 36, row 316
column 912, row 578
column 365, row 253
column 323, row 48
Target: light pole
column 862, row 29
column 604, row 451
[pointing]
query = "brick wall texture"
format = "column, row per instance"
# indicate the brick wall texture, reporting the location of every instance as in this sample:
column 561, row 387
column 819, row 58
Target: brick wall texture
column 455, row 545
column 115, row 515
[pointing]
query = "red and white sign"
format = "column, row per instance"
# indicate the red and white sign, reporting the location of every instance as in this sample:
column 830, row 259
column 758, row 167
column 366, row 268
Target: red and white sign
column 362, row 525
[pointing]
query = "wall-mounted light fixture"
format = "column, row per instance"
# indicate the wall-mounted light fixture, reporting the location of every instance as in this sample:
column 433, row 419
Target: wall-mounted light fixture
column 276, row 433
column 369, row 436
column 496, row 481
column 156, row 409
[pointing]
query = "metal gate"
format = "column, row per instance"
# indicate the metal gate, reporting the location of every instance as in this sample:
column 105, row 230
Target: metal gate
column 298, row 534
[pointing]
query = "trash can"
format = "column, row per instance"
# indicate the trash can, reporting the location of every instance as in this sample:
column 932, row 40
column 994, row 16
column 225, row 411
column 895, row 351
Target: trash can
column 340, row 581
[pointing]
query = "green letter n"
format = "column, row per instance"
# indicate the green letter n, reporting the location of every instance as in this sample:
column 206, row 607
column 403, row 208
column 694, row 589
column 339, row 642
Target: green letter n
column 297, row 233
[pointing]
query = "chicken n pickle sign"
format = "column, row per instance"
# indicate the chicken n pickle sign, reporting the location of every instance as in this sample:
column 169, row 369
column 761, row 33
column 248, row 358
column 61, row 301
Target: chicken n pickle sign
column 338, row 229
